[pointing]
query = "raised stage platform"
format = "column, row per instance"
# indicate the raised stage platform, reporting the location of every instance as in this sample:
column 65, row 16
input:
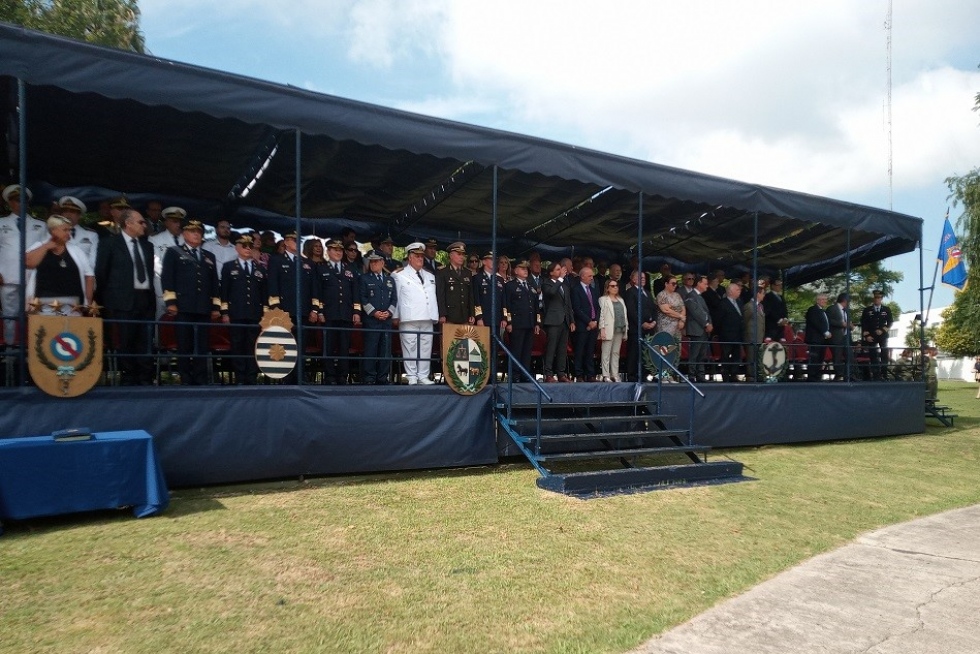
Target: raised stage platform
column 226, row 434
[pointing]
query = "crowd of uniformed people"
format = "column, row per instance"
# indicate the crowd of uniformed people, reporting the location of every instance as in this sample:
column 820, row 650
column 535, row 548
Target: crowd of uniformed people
column 153, row 265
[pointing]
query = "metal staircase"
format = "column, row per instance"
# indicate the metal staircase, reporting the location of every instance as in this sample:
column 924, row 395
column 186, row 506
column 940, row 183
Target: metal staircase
column 585, row 440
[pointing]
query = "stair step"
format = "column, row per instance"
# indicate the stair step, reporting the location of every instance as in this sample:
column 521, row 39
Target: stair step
column 552, row 406
column 588, row 419
column 626, row 479
column 593, row 436
column 606, row 454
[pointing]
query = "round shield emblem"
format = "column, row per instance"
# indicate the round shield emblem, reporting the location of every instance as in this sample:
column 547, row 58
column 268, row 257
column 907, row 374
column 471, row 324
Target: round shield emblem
column 466, row 357
column 276, row 352
column 668, row 348
column 772, row 361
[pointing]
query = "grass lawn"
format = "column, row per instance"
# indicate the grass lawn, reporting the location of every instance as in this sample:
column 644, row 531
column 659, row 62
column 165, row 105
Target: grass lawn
column 476, row 560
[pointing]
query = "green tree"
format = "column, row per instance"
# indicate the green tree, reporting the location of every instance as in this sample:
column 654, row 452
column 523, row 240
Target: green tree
column 960, row 332
column 864, row 280
column 113, row 23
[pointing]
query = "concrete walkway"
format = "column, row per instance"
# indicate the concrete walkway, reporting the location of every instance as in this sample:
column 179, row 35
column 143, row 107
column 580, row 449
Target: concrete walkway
column 913, row 587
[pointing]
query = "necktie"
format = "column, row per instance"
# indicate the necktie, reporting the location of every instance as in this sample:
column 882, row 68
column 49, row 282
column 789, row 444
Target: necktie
column 419, row 273
column 588, row 293
column 138, row 262
column 197, row 256
column 176, row 240
column 73, row 232
column 378, row 275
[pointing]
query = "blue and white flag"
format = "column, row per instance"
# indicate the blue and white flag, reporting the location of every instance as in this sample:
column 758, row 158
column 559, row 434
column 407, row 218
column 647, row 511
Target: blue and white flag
column 951, row 258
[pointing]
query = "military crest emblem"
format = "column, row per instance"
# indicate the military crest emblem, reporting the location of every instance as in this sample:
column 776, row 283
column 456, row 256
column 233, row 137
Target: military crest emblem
column 275, row 349
column 773, row 361
column 64, row 353
column 465, row 357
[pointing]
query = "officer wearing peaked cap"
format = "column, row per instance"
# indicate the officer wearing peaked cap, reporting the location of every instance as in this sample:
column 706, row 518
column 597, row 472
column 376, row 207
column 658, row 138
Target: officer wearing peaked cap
column 243, row 294
column 378, row 302
column 431, row 263
column 417, row 311
column 876, row 320
column 454, row 291
column 485, row 283
column 340, row 312
column 171, row 235
column 520, row 301
column 282, row 288
column 190, row 291
column 11, row 269
column 84, row 239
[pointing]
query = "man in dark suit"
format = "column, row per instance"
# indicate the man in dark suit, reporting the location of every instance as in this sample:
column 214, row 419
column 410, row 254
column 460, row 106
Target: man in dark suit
column 640, row 324
column 585, row 308
column 728, row 327
column 124, row 286
column 817, row 337
column 839, row 317
column 340, row 312
column 776, row 315
column 378, row 301
column 699, row 328
column 558, row 321
column 485, row 283
column 282, row 289
column 243, row 294
column 876, row 320
column 523, row 319
column 190, row 291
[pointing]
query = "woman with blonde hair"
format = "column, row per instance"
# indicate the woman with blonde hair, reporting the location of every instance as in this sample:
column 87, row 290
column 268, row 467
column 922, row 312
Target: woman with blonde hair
column 612, row 329
column 503, row 268
column 59, row 271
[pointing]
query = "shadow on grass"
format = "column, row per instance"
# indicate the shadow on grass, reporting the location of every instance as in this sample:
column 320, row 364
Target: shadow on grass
column 293, row 484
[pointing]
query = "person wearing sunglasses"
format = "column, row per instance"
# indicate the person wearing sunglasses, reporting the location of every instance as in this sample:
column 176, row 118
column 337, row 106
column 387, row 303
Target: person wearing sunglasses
column 124, row 286
column 612, row 329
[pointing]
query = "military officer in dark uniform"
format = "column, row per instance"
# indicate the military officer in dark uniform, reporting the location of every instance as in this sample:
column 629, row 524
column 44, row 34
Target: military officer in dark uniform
column 340, row 312
column 485, row 283
column 387, row 246
column 431, row 263
column 190, row 292
column 876, row 320
column 243, row 294
column 282, row 288
column 454, row 291
column 522, row 315
column 378, row 300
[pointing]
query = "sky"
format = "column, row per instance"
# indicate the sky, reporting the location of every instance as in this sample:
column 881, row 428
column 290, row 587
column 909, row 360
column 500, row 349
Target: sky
column 787, row 94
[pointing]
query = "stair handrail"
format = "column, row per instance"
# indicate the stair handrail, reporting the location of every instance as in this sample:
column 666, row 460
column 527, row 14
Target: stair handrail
column 682, row 376
column 511, row 362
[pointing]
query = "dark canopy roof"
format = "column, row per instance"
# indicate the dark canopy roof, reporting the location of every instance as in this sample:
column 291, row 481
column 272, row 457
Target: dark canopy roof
column 102, row 120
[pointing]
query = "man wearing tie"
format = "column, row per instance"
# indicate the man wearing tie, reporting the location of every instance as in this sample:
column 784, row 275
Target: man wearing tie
column 170, row 236
column 431, row 263
column 124, row 286
column 243, row 293
column 416, row 312
column 340, row 312
column 640, row 324
column 523, row 319
column 190, row 291
column 876, row 320
column 585, row 308
column 378, row 301
column 817, row 337
column 840, row 336
column 558, row 322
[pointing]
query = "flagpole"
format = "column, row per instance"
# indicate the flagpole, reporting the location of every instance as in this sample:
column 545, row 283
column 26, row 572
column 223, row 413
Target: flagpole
column 932, row 289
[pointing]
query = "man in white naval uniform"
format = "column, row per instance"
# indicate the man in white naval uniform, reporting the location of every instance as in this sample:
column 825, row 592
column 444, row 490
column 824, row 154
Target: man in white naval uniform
column 84, row 239
column 172, row 234
column 415, row 314
column 11, row 255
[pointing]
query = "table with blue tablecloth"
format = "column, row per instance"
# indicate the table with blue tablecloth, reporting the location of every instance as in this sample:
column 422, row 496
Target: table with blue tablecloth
column 41, row 476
